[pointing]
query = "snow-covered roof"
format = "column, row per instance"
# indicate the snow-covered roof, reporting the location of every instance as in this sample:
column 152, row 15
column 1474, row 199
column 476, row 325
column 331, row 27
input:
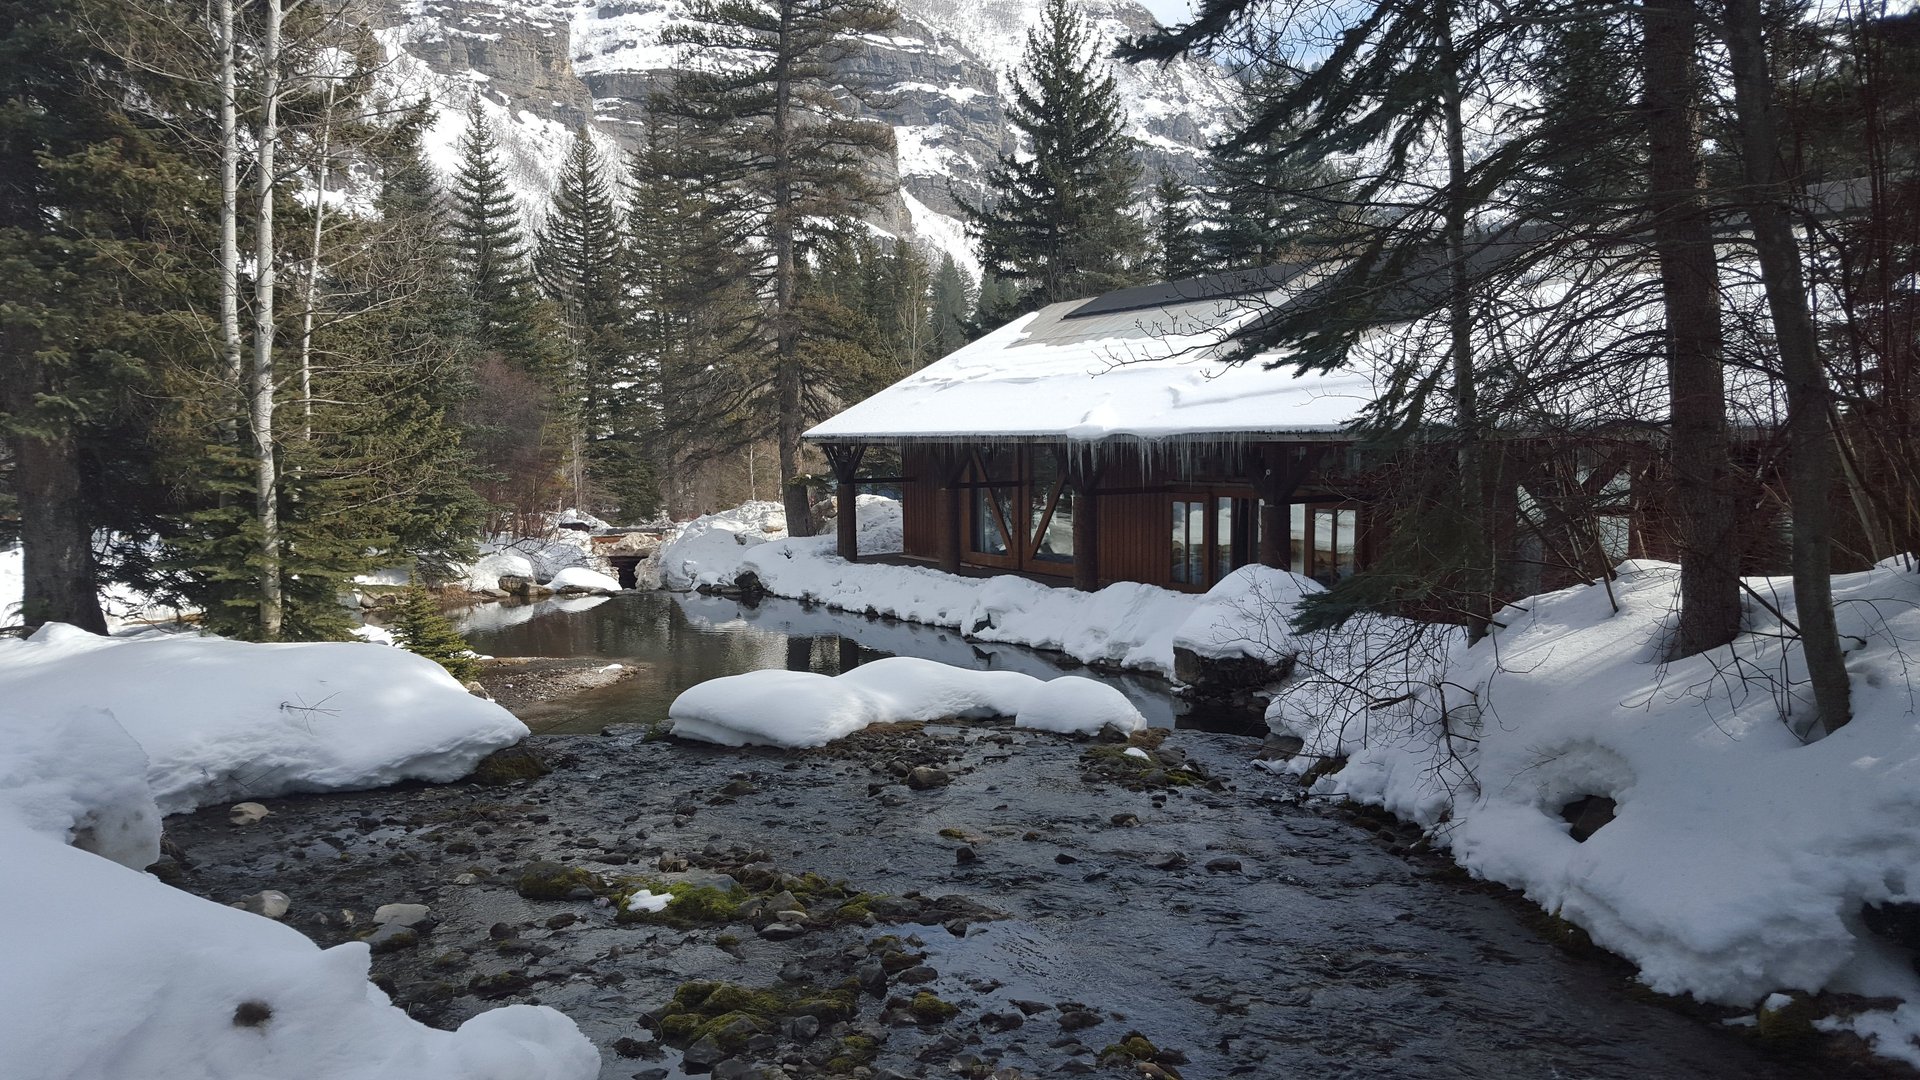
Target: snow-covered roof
column 1141, row 364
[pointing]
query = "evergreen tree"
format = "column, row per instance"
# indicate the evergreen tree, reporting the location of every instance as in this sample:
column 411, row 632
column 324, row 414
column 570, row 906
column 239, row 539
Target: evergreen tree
column 952, row 314
column 98, row 214
column 491, row 250
column 1176, row 244
column 420, row 629
column 1266, row 200
column 581, row 262
column 1058, row 220
column 769, row 113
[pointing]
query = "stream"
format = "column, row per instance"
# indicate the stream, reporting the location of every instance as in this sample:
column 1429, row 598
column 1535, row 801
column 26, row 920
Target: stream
column 1058, row 904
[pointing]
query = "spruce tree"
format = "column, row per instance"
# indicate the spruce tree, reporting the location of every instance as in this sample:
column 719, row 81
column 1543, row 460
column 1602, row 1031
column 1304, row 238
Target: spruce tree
column 768, row 107
column 952, row 308
column 1058, row 220
column 1266, row 201
column 1176, row 244
column 490, row 248
column 581, row 262
column 419, row 628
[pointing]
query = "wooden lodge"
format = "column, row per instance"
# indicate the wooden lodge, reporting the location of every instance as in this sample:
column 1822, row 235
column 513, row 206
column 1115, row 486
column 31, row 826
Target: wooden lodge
column 1101, row 441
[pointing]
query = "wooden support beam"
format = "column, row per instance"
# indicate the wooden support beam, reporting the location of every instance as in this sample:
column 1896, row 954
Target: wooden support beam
column 1083, row 479
column 845, row 461
column 950, row 464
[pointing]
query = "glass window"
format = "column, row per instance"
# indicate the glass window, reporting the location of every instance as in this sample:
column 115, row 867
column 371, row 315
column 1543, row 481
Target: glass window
column 1052, row 533
column 1297, row 539
column 987, row 537
column 1334, row 535
column 1222, row 537
column 1189, row 541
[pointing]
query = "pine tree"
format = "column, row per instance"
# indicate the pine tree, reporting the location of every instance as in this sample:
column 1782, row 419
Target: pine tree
column 1266, row 200
column 491, row 250
column 769, row 112
column 1176, row 243
column 1058, row 221
column 581, row 261
column 420, row 629
column 952, row 314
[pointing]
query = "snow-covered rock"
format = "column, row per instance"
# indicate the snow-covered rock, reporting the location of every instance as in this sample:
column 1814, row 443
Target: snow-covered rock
column 485, row 574
column 221, row 720
column 1739, row 856
column 582, row 580
column 796, row 709
column 705, row 551
column 1072, row 704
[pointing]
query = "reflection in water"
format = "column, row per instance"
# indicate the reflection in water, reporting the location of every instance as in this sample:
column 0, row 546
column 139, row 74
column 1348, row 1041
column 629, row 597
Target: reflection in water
column 680, row 639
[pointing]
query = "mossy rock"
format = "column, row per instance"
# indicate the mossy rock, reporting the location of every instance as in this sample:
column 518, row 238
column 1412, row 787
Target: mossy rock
column 508, row 765
column 554, row 881
column 1324, row 767
column 855, row 1051
column 730, row 1014
column 1790, row 1027
column 1135, row 1046
column 930, row 1009
column 692, row 905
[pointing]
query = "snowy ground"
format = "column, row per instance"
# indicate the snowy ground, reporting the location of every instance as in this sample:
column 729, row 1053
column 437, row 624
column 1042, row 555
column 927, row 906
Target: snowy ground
column 111, row 974
column 1740, row 857
column 1125, row 624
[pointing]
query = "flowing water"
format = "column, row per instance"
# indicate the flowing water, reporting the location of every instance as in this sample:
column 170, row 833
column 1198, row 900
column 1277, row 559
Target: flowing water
column 1243, row 929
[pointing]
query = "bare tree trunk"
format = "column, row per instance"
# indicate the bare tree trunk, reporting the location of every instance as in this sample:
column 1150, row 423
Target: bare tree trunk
column 1477, row 552
column 1809, row 399
column 787, row 374
column 313, row 271
column 56, row 541
column 1696, row 384
column 230, row 342
column 266, row 480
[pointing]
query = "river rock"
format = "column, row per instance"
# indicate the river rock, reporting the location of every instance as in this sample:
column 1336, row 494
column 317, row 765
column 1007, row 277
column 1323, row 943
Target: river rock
column 269, row 902
column 924, row 777
column 703, row 1055
column 782, row 931
column 400, row 914
column 1226, row 864
column 247, row 813
column 393, row 937
column 872, row 977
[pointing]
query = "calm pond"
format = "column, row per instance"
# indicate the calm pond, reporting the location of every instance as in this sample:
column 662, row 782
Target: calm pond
column 679, row 639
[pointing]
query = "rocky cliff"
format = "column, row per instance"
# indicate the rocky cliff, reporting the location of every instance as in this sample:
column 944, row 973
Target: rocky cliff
column 544, row 66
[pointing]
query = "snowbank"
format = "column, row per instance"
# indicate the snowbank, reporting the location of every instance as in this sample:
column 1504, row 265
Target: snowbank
column 797, row 709
column 13, row 585
column 581, row 579
column 705, row 551
column 1125, row 624
column 111, row 974
column 485, row 574
column 220, row 720
column 1739, row 858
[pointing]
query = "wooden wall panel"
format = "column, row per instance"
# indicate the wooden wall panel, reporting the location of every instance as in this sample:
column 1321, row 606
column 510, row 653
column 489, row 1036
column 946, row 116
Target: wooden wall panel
column 921, row 512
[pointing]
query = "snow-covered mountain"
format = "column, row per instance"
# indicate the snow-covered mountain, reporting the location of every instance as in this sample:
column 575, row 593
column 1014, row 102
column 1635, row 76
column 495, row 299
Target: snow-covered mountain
column 543, row 66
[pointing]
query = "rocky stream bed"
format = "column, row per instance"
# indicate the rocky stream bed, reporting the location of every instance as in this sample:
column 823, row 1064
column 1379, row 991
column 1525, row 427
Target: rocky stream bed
column 973, row 901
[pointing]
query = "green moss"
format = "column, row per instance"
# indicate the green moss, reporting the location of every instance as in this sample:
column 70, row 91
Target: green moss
column 929, row 1009
column 1135, row 1046
column 727, row 941
column 553, row 881
column 855, row 1051
column 1790, row 1027
column 692, row 905
column 730, row 1014
column 953, row 834
column 508, row 765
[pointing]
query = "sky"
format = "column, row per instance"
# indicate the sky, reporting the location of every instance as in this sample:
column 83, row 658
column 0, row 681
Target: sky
column 1168, row 12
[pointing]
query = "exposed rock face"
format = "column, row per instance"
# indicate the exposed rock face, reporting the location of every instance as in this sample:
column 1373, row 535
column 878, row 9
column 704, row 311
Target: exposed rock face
column 544, row 66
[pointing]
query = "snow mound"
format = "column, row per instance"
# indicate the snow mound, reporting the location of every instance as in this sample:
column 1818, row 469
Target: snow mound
column 704, row 550
column 485, row 574
column 1245, row 614
column 1071, row 704
column 116, row 975
column 797, row 709
column 1739, row 856
column 581, row 579
column 222, row 720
